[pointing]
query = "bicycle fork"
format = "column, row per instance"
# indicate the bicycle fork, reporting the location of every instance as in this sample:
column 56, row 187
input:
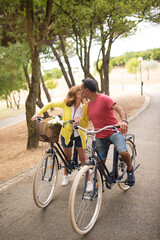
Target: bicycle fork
column 51, row 166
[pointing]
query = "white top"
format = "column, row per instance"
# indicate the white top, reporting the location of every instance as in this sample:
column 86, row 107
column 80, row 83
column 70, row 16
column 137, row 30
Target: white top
column 78, row 113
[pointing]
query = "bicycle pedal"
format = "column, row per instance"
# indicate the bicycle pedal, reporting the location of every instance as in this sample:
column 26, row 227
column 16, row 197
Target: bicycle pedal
column 108, row 185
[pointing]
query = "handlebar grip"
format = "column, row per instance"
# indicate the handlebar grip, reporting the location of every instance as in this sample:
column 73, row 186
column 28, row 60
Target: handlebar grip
column 71, row 121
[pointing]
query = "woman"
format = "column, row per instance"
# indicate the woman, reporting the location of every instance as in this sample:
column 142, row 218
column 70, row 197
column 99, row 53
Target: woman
column 72, row 109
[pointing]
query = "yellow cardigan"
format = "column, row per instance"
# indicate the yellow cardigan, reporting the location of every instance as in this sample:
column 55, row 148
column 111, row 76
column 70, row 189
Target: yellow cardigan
column 67, row 131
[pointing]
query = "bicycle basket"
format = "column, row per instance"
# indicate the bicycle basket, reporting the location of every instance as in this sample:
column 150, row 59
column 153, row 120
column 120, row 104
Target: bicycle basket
column 45, row 133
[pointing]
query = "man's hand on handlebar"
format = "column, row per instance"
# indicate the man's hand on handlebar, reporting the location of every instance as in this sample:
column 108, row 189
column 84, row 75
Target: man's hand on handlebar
column 123, row 127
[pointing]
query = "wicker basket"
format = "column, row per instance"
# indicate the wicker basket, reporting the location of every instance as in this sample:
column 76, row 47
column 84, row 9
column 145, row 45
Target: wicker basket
column 47, row 134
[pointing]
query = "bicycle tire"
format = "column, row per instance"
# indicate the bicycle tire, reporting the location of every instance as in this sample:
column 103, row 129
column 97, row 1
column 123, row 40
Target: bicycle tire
column 123, row 167
column 84, row 219
column 44, row 183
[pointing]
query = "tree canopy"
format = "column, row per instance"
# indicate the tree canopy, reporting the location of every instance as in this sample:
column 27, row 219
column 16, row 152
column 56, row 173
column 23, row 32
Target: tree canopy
column 67, row 28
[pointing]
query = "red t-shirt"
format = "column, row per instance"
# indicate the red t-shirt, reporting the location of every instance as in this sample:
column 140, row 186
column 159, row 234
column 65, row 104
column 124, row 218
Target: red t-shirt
column 101, row 114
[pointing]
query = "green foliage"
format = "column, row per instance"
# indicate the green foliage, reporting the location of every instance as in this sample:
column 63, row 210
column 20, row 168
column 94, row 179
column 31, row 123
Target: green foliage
column 132, row 65
column 54, row 73
column 11, row 69
column 155, row 55
column 50, row 76
column 146, row 55
column 51, row 84
column 117, row 61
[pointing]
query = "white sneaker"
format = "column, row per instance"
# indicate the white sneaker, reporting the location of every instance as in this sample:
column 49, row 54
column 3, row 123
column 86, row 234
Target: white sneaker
column 65, row 180
column 89, row 187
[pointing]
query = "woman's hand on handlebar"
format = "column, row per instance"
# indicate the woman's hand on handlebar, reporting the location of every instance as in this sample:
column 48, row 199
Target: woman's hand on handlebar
column 77, row 120
column 35, row 116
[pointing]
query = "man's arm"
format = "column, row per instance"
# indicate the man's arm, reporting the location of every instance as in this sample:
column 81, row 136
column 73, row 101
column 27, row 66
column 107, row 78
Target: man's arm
column 123, row 124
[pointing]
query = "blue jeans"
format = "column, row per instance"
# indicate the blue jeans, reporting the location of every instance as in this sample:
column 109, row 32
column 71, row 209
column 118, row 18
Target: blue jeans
column 117, row 139
column 78, row 142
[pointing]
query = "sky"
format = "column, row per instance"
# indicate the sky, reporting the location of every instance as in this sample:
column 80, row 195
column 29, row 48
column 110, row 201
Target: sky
column 146, row 37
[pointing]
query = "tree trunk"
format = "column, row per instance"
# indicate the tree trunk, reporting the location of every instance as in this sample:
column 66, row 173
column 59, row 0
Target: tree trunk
column 106, row 75
column 27, row 76
column 45, row 89
column 36, row 30
column 40, row 103
column 61, row 66
column 31, row 99
column 67, row 61
column 106, row 59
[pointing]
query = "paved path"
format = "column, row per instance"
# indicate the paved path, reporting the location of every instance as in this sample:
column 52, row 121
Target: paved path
column 133, row 215
column 12, row 120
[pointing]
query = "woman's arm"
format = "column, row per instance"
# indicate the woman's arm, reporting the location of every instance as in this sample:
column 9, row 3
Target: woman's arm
column 47, row 107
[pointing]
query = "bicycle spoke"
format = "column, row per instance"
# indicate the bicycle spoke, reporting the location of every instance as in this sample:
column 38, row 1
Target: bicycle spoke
column 45, row 180
column 84, row 207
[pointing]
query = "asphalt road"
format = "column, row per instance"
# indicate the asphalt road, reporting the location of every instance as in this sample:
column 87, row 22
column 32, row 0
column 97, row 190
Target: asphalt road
column 133, row 215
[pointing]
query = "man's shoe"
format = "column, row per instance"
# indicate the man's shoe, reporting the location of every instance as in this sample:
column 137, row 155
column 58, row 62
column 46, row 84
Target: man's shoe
column 65, row 180
column 89, row 187
column 131, row 178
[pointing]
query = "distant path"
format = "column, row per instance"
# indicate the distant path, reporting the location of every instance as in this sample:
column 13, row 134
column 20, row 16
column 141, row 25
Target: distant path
column 12, row 120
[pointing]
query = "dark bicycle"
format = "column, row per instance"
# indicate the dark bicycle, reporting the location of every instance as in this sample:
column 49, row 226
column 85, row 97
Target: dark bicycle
column 46, row 174
column 84, row 207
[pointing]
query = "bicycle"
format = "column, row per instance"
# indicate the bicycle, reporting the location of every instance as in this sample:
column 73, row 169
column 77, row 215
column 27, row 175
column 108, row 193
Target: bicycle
column 46, row 174
column 84, row 207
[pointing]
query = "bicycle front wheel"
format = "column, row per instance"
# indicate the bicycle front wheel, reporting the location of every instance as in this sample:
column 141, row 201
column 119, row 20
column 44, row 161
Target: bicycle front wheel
column 84, row 206
column 45, row 180
column 122, row 167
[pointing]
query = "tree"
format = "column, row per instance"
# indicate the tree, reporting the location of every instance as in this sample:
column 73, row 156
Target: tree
column 132, row 66
column 12, row 77
column 50, row 76
column 148, row 65
column 156, row 54
column 73, row 22
column 38, row 16
column 117, row 19
column 29, row 20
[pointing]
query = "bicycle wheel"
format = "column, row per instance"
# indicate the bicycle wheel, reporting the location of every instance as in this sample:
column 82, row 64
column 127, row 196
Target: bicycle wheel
column 45, row 180
column 84, row 206
column 122, row 167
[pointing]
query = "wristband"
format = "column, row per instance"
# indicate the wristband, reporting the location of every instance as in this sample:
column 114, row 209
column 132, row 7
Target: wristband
column 125, row 121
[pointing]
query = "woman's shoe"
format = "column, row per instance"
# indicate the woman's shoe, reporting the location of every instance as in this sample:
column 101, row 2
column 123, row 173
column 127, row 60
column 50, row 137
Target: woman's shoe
column 65, row 180
column 89, row 187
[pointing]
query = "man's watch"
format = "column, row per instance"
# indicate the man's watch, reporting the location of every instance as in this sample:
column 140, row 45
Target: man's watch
column 125, row 121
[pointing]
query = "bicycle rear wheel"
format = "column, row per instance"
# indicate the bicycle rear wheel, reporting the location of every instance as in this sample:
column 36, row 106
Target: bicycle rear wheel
column 45, row 180
column 122, row 167
column 84, row 206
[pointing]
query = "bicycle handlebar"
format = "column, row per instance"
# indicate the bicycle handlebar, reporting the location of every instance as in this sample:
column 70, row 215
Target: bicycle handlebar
column 90, row 131
column 39, row 119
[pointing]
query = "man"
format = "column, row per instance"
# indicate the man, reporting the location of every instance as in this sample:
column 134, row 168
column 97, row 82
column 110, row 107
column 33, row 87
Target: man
column 101, row 112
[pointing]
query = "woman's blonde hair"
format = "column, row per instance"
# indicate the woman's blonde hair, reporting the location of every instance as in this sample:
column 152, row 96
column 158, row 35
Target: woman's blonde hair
column 71, row 96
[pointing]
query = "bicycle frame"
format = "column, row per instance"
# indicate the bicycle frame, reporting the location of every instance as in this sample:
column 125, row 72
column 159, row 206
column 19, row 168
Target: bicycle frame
column 69, row 165
column 112, row 177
